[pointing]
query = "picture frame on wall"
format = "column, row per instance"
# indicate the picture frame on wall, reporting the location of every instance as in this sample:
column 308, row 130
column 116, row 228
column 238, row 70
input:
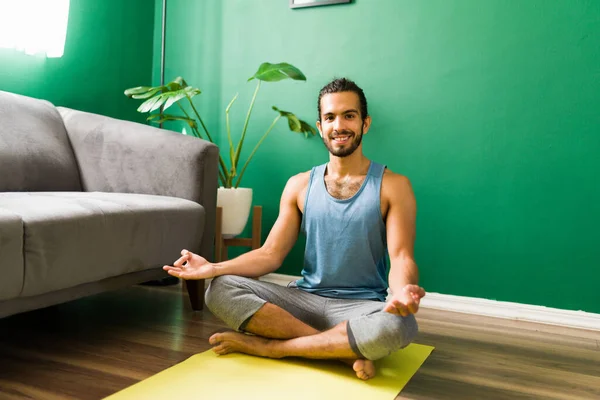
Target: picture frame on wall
column 314, row 3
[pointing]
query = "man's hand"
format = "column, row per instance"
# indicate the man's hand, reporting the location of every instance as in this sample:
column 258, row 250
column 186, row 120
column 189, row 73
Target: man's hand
column 191, row 266
column 406, row 302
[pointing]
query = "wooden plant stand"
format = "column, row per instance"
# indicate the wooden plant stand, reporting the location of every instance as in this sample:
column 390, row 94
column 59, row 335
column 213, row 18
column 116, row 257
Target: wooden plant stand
column 221, row 243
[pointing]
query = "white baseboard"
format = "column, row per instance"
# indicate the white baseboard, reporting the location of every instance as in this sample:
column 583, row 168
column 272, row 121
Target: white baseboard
column 491, row 308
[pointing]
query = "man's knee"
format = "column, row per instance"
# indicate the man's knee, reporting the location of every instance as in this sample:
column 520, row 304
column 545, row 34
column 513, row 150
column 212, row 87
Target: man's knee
column 401, row 332
column 219, row 291
column 380, row 335
column 232, row 299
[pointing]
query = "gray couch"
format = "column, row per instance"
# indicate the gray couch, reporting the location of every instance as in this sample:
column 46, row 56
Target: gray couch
column 90, row 203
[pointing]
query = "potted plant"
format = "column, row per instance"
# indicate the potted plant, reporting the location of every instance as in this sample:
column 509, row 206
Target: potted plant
column 235, row 200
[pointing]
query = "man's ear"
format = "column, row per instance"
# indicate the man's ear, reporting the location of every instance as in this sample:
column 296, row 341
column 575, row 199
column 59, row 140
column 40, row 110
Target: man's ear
column 366, row 124
column 319, row 128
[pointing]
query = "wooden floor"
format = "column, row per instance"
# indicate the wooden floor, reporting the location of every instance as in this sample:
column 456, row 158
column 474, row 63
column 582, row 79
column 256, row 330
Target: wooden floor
column 91, row 348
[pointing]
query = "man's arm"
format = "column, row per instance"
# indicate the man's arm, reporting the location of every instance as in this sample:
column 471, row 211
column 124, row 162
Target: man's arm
column 400, row 229
column 257, row 262
column 279, row 242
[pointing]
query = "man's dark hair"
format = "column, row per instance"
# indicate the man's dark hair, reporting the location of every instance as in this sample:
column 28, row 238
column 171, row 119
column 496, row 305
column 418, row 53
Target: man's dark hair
column 344, row 85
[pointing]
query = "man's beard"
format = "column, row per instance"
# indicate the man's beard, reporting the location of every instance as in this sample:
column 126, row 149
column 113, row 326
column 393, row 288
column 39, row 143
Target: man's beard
column 348, row 148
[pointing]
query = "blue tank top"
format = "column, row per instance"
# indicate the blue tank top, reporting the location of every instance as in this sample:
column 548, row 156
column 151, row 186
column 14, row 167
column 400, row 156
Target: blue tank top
column 345, row 255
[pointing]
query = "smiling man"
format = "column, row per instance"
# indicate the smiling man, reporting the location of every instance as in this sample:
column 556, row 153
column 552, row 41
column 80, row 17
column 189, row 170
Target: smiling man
column 353, row 212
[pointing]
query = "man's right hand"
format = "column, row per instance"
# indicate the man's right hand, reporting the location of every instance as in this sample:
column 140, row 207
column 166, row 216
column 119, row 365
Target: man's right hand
column 191, row 266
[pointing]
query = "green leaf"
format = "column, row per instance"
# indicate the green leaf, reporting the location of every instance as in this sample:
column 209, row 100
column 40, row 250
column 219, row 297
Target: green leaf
column 306, row 128
column 296, row 124
column 148, row 94
column 179, row 80
column 293, row 122
column 155, row 116
column 137, row 90
column 268, row 72
column 178, row 84
column 159, row 118
column 144, row 92
column 180, row 94
column 283, row 113
column 167, row 98
column 149, row 105
column 174, row 97
column 192, row 91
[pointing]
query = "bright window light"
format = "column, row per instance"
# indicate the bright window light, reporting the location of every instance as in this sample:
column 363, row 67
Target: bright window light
column 34, row 26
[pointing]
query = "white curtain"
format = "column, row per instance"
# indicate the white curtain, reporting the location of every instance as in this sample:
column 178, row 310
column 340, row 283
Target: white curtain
column 34, row 26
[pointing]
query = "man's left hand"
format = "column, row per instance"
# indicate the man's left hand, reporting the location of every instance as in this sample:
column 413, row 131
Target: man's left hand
column 406, row 302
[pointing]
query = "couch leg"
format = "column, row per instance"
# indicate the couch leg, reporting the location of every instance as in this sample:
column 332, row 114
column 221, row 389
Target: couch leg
column 195, row 291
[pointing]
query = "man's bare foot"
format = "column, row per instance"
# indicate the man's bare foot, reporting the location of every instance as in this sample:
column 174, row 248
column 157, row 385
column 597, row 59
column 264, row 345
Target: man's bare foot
column 365, row 369
column 235, row 342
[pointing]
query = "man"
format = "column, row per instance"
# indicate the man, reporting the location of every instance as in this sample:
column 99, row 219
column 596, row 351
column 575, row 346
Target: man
column 350, row 209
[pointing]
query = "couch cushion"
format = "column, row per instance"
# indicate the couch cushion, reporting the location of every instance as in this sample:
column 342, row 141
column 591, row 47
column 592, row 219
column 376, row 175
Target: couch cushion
column 73, row 238
column 35, row 153
column 11, row 254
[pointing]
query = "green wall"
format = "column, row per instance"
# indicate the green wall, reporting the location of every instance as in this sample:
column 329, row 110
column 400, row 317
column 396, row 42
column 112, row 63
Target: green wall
column 108, row 49
column 491, row 108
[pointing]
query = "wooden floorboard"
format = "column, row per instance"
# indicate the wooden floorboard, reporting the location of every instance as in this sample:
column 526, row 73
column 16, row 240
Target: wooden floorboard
column 93, row 347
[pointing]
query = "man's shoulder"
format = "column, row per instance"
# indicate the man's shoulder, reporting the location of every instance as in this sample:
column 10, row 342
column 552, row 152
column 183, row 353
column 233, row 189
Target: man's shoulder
column 395, row 178
column 394, row 182
column 299, row 179
column 297, row 183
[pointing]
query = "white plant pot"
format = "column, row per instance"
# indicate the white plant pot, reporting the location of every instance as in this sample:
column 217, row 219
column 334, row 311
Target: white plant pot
column 236, row 204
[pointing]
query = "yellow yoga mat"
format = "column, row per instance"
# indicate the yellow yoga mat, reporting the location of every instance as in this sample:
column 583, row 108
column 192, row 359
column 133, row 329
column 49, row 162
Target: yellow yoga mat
column 239, row 376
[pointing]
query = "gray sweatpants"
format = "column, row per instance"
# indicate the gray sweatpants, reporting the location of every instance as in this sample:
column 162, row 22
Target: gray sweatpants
column 372, row 333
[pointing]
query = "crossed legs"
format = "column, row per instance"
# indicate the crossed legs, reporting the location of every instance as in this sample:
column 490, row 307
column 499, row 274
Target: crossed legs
column 280, row 334
column 306, row 330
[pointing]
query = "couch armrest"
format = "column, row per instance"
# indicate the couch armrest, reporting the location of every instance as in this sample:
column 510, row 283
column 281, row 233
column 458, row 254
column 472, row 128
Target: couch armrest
column 128, row 157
